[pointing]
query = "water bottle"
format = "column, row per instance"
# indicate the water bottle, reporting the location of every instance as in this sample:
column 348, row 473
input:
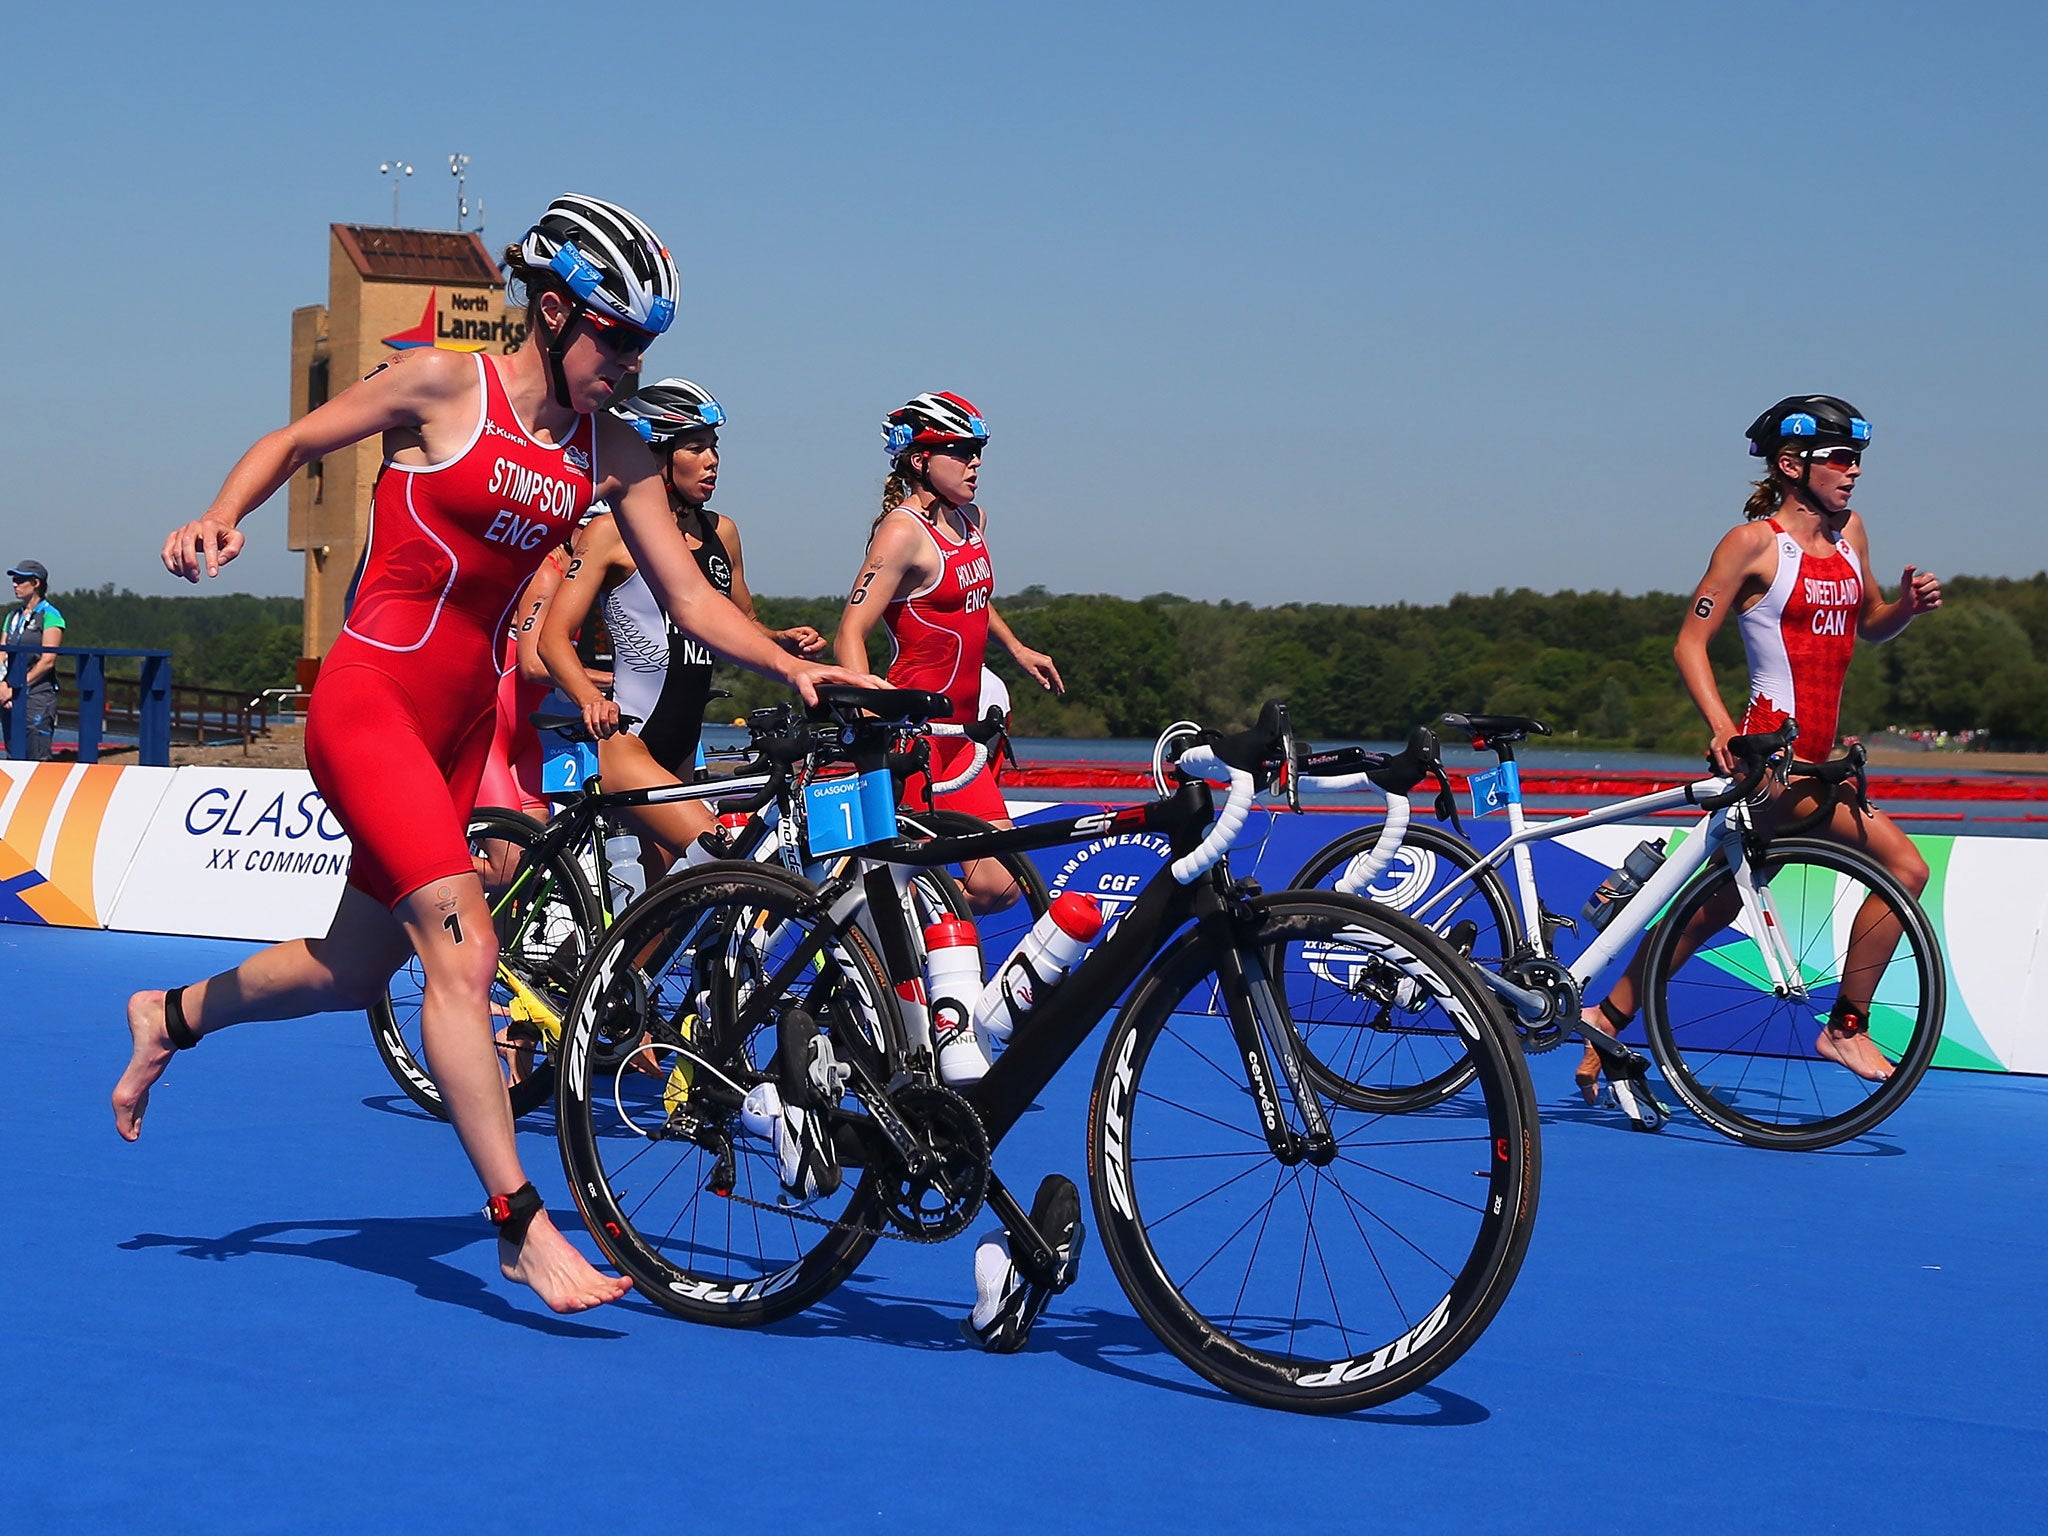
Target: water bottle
column 1623, row 881
column 953, row 982
column 1059, row 939
column 622, row 855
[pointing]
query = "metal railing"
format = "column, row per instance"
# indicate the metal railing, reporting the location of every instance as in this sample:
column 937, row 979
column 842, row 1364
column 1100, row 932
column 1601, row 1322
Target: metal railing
column 145, row 701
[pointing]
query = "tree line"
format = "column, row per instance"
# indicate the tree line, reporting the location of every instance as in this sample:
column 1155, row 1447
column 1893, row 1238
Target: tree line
column 1594, row 665
column 233, row 641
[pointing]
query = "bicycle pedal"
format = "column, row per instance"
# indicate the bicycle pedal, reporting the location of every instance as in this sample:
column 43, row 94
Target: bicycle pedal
column 1634, row 1099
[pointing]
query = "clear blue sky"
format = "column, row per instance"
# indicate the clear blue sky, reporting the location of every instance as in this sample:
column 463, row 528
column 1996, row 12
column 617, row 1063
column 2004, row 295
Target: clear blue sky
column 1322, row 302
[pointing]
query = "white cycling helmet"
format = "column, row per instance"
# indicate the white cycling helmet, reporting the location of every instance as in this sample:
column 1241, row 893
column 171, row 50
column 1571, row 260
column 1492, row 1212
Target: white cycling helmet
column 608, row 259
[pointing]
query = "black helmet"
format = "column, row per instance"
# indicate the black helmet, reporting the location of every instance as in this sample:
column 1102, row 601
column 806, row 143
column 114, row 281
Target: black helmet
column 664, row 411
column 1808, row 421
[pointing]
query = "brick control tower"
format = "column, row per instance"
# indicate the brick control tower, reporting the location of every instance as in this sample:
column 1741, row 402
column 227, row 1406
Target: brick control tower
column 387, row 290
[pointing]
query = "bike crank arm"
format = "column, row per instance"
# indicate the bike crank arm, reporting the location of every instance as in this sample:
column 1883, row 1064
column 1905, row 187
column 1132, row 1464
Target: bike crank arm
column 1616, row 1059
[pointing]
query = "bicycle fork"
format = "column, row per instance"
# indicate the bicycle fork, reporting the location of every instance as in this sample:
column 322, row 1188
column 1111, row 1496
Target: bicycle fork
column 1267, row 1043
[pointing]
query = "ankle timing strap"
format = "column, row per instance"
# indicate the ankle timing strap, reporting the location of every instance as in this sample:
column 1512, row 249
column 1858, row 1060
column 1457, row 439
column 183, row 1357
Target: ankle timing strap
column 512, row 1214
column 1613, row 1015
column 183, row 1037
column 1848, row 1019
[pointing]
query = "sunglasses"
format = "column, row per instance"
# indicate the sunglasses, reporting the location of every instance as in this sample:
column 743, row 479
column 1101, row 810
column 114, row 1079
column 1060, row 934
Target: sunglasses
column 1835, row 458
column 966, row 453
column 617, row 337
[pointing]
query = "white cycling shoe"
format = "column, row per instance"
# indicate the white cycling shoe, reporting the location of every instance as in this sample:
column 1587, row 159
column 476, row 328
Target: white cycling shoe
column 1006, row 1302
column 791, row 1118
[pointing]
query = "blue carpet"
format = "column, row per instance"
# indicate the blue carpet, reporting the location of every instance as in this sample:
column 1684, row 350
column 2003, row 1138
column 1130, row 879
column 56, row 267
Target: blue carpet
column 278, row 1312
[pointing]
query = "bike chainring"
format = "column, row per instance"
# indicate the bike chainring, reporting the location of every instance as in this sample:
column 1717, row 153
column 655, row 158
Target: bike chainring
column 1556, row 984
column 943, row 1192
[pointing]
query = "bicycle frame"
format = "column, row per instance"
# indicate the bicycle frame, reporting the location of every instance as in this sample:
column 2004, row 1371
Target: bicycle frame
column 1063, row 1020
column 1721, row 831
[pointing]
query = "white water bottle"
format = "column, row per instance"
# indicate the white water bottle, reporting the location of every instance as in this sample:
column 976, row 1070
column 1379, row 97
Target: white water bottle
column 1058, row 940
column 622, row 856
column 953, row 983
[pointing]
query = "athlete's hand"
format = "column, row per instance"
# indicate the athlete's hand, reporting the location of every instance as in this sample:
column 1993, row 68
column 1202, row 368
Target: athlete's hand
column 1717, row 750
column 805, row 680
column 801, row 641
column 1040, row 666
column 1919, row 591
column 203, row 545
column 601, row 718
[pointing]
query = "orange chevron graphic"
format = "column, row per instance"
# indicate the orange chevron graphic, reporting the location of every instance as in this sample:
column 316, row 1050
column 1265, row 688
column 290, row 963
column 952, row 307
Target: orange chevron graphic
column 64, row 897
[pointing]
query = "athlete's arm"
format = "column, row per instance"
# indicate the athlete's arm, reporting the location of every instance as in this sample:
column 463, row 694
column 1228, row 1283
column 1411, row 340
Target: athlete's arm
column 594, row 555
column 1037, row 663
column 1728, row 574
column 698, row 609
column 410, row 391
column 900, row 560
column 533, row 606
column 802, row 640
column 1919, row 592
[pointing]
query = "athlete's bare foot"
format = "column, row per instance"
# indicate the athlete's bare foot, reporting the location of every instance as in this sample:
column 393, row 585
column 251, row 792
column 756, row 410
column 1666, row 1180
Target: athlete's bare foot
column 559, row 1275
column 152, row 1053
column 1854, row 1050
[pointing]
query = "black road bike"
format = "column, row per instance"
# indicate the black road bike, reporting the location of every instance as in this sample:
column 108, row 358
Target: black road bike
column 1290, row 1248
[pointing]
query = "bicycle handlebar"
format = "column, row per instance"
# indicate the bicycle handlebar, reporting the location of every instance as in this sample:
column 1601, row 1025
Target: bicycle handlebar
column 1237, row 806
column 982, row 733
column 1760, row 754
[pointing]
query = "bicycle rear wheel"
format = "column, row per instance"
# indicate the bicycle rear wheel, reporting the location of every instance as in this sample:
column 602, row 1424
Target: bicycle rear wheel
column 1392, row 1058
column 547, row 923
column 1315, row 1289
column 1742, row 1056
column 675, row 1192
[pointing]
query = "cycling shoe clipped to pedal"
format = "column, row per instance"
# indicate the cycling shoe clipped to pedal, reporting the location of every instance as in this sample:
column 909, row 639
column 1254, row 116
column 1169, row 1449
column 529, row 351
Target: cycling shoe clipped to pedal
column 1007, row 1303
column 792, row 1116
column 1632, row 1096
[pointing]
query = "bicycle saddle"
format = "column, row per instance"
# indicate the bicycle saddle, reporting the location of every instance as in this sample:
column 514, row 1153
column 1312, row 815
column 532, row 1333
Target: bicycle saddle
column 1486, row 729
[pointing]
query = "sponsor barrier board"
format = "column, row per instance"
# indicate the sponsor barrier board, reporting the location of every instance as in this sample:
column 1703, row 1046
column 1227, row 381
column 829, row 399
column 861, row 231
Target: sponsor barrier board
column 236, row 853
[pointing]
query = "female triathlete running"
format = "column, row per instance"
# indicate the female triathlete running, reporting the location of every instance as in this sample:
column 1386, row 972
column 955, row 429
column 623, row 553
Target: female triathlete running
column 487, row 465
column 1794, row 573
column 927, row 578
column 661, row 677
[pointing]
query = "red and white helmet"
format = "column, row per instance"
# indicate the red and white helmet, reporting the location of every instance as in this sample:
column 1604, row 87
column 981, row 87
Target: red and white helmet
column 932, row 421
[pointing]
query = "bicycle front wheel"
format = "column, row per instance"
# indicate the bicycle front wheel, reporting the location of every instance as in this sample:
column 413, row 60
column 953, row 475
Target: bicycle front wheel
column 547, row 923
column 1319, row 1289
column 1740, row 1049
column 668, row 1032
column 1394, row 1059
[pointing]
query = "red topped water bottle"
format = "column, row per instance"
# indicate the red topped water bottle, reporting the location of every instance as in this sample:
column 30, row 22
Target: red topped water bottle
column 953, row 983
column 1052, row 948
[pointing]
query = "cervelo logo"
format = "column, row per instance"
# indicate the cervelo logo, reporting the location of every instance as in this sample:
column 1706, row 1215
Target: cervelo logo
column 1346, row 1371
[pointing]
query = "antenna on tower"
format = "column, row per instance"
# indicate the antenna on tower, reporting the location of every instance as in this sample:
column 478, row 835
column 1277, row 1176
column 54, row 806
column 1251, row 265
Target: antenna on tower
column 458, row 167
column 397, row 170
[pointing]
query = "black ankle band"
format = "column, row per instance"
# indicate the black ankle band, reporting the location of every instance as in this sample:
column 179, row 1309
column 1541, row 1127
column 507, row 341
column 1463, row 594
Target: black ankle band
column 181, row 1033
column 1613, row 1015
column 512, row 1214
column 1849, row 1019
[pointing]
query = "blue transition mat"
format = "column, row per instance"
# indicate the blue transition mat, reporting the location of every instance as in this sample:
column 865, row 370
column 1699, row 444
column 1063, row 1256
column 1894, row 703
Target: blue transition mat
column 279, row 1312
